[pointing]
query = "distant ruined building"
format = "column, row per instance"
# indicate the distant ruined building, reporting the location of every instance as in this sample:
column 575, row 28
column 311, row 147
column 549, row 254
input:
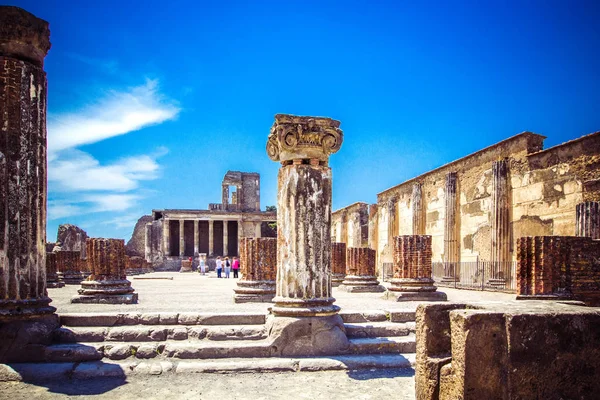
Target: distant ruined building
column 477, row 207
column 176, row 234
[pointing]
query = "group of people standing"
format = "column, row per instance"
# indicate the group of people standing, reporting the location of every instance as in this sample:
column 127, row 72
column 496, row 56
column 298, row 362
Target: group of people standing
column 228, row 266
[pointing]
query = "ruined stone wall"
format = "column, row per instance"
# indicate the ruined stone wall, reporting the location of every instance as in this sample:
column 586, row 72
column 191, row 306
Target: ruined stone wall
column 543, row 190
column 559, row 265
column 136, row 246
column 72, row 238
column 350, row 225
column 250, row 192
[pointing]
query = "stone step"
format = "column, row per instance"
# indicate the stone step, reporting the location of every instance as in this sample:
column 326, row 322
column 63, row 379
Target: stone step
column 379, row 329
column 166, row 318
column 384, row 345
column 43, row 372
column 349, row 316
column 158, row 333
column 204, row 349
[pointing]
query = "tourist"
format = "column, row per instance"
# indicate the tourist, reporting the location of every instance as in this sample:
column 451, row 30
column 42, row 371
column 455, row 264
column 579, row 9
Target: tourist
column 219, row 266
column 235, row 266
column 202, row 266
column 227, row 267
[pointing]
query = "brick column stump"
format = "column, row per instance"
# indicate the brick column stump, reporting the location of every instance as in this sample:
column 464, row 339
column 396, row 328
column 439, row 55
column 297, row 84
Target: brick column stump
column 69, row 265
column 338, row 263
column 107, row 283
column 360, row 271
column 305, row 321
column 412, row 271
column 258, row 268
column 53, row 279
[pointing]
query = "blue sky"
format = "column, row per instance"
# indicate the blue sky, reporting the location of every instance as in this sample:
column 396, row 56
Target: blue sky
column 150, row 103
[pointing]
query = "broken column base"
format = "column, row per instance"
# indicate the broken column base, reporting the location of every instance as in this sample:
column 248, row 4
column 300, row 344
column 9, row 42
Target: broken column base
column 414, row 289
column 361, row 284
column 545, row 297
column 54, row 281
column 71, row 277
column 106, row 292
column 24, row 338
column 307, row 336
column 337, row 279
column 254, row 292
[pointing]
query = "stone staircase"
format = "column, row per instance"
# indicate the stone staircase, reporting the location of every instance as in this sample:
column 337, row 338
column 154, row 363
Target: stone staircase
column 129, row 343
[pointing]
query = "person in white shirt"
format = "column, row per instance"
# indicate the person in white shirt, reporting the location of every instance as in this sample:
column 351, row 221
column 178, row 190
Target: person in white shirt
column 219, row 266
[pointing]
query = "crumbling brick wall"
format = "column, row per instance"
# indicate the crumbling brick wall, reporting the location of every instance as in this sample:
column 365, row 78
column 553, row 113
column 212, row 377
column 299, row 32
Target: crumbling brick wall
column 559, row 265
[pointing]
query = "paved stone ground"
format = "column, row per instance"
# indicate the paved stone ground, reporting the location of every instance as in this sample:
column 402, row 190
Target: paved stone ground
column 381, row 384
column 194, row 292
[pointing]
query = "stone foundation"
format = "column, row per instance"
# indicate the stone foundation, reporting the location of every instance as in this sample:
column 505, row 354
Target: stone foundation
column 412, row 270
column 107, row 283
column 258, row 269
column 511, row 350
column 360, row 272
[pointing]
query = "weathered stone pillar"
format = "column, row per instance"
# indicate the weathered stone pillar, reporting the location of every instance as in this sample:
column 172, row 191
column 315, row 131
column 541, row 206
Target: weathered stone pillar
column 107, row 283
column 344, row 227
column 392, row 226
column 225, row 197
column 338, row 263
column 196, row 238
column 451, row 249
column 225, row 238
column 500, row 241
column 305, row 319
column 181, row 238
column 258, row 268
column 53, row 280
column 167, row 236
column 69, row 265
column 412, row 270
column 360, row 271
column 26, row 318
column 418, row 223
column 148, row 243
column 258, row 230
column 211, row 240
column 240, row 235
column 588, row 219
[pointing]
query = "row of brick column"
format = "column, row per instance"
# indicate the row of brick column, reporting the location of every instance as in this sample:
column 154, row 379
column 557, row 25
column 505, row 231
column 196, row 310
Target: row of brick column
column 258, row 269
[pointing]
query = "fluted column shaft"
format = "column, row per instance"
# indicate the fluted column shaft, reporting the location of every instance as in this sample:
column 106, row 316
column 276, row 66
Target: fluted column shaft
column 181, row 237
column 588, row 219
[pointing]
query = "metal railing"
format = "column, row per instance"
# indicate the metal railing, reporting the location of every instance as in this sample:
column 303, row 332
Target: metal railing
column 477, row 275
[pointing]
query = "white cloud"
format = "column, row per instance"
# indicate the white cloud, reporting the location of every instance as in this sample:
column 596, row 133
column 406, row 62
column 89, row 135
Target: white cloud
column 79, row 183
column 116, row 114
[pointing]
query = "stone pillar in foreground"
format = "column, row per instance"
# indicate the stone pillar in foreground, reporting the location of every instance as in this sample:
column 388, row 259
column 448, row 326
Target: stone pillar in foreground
column 412, row 270
column 258, row 268
column 53, row 279
column 360, row 271
column 587, row 223
column 305, row 319
column 338, row 263
column 26, row 318
column 107, row 283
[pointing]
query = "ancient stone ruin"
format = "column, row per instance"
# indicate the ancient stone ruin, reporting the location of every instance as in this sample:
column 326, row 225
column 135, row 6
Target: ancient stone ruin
column 53, row 278
column 107, row 283
column 360, row 271
column 338, row 263
column 258, row 268
column 305, row 320
column 72, row 238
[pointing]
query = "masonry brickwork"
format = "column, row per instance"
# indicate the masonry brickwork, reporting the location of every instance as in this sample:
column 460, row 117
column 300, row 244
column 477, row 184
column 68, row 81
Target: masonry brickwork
column 338, row 263
column 258, row 269
column 360, row 271
column 559, row 267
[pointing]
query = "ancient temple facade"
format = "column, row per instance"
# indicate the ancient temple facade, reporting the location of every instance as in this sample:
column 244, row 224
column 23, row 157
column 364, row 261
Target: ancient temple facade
column 477, row 207
column 176, row 234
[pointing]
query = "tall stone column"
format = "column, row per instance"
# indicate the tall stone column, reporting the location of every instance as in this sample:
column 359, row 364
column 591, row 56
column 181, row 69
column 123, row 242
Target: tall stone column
column 500, row 242
column 225, row 238
column 196, row 238
column 167, row 236
column 148, row 243
column 181, row 238
column 338, row 263
column 107, row 283
column 24, row 42
column 211, row 238
column 451, row 250
column 418, row 223
column 360, row 271
column 305, row 319
column 258, row 268
column 412, row 279
column 587, row 222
